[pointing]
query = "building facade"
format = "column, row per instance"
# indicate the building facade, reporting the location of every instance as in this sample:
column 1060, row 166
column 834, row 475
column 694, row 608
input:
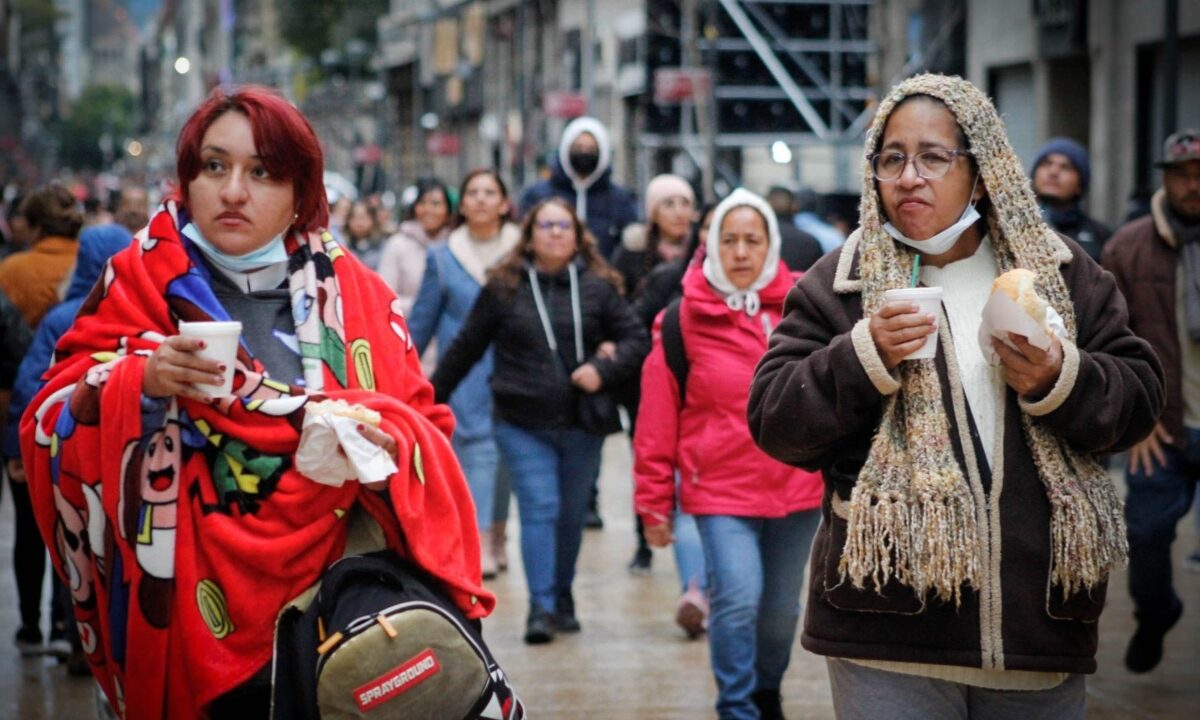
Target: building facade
column 1092, row 70
column 493, row 82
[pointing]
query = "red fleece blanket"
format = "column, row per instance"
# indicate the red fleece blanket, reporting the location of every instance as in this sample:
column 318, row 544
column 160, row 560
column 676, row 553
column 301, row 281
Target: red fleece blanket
column 182, row 528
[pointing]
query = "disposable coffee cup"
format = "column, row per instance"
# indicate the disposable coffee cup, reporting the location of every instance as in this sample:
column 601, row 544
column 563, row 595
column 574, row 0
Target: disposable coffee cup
column 929, row 302
column 220, row 344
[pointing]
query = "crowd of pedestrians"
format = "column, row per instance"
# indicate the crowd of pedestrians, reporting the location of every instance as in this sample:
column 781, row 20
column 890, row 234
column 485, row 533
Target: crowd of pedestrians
column 955, row 514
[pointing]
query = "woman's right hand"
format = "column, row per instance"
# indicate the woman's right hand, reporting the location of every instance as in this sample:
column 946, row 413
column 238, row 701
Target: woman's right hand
column 659, row 535
column 899, row 329
column 175, row 368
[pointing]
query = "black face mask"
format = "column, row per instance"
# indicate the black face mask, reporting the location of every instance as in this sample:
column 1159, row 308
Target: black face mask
column 584, row 163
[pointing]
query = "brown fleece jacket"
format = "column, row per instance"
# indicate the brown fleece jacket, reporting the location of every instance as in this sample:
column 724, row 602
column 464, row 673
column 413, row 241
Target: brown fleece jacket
column 816, row 402
column 1143, row 257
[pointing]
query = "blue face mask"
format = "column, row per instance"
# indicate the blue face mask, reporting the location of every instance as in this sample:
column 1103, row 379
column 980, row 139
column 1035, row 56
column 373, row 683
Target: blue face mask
column 269, row 254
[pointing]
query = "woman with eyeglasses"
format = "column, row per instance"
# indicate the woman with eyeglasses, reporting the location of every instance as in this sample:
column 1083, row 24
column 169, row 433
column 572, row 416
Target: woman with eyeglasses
column 546, row 309
column 967, row 530
column 454, row 274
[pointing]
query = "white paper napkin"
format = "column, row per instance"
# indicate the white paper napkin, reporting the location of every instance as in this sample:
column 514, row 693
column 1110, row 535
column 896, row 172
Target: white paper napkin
column 318, row 458
column 1002, row 315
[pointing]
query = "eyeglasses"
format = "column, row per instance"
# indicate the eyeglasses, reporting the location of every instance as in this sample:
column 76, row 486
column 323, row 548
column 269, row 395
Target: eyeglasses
column 930, row 164
column 548, row 225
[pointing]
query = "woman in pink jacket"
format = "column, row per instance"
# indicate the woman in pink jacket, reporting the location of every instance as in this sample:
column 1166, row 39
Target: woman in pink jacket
column 756, row 515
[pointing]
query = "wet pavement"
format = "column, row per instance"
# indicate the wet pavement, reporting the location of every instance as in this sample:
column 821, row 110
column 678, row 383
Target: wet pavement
column 630, row 661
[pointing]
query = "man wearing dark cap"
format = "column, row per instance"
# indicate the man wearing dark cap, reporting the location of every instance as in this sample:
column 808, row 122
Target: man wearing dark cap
column 1156, row 262
column 1061, row 174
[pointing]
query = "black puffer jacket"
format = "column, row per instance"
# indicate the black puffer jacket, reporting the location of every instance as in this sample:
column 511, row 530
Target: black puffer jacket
column 532, row 388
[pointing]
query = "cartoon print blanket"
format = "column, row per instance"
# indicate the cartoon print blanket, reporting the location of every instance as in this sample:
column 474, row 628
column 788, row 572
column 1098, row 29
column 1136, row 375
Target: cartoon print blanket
column 182, row 527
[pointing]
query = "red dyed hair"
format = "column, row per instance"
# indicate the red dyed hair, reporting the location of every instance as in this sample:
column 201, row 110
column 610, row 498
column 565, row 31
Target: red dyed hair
column 285, row 141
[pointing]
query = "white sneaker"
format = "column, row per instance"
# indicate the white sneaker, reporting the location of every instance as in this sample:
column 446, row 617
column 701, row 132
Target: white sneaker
column 59, row 648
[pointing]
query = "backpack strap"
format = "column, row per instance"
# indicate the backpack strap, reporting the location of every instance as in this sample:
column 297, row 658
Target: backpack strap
column 672, row 342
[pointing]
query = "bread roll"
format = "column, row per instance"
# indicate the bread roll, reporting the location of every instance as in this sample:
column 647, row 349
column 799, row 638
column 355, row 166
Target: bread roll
column 345, row 409
column 1019, row 284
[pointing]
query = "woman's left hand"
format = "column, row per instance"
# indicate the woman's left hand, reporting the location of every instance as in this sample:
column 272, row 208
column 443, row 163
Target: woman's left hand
column 587, row 378
column 383, row 440
column 1028, row 370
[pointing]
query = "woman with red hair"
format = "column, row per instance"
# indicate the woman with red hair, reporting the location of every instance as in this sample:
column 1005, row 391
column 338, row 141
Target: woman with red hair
column 182, row 521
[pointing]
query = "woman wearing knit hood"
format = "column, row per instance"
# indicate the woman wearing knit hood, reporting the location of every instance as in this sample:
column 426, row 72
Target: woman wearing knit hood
column 967, row 528
column 756, row 515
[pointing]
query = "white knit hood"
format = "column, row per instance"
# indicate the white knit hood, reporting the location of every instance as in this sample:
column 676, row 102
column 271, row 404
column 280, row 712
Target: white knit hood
column 574, row 129
column 736, row 299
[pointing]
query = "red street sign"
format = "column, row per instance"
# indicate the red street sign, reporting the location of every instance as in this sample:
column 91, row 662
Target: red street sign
column 675, row 85
column 368, row 154
column 442, row 143
column 565, row 105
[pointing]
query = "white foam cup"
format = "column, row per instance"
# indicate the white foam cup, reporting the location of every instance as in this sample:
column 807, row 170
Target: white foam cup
column 220, row 344
column 929, row 302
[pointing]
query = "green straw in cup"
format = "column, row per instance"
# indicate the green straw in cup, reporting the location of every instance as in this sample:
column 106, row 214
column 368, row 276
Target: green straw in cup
column 916, row 271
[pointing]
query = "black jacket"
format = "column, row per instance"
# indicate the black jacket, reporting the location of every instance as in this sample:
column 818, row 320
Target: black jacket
column 1083, row 229
column 660, row 287
column 635, row 266
column 797, row 249
column 532, row 388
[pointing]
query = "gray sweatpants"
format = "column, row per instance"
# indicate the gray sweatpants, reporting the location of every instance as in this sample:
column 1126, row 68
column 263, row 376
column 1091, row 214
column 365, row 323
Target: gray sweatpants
column 863, row 693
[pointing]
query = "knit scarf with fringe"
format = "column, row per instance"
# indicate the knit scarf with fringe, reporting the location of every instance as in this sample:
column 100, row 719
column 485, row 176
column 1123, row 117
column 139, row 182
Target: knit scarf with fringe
column 912, row 514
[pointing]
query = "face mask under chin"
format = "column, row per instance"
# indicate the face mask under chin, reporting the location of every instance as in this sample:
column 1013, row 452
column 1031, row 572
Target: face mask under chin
column 274, row 251
column 943, row 241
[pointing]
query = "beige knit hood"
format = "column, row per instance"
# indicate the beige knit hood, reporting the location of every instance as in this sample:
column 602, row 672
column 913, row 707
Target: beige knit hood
column 914, row 513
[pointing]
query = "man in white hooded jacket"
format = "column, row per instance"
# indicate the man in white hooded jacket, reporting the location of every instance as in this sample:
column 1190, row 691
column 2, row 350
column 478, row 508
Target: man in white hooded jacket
column 583, row 176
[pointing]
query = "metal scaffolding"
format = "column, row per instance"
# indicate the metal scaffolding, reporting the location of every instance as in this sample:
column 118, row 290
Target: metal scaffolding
column 782, row 70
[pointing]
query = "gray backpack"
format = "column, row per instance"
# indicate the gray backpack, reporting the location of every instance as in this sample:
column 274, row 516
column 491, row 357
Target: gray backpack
column 381, row 641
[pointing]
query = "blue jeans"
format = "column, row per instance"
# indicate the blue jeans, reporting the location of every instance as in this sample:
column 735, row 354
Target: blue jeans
column 551, row 473
column 479, row 460
column 755, row 569
column 689, row 552
column 1153, row 506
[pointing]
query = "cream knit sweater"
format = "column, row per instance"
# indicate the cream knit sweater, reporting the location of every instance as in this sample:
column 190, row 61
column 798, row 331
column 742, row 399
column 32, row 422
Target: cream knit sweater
column 966, row 286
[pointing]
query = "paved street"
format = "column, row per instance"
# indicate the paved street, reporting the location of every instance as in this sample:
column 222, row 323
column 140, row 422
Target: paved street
column 630, row 661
